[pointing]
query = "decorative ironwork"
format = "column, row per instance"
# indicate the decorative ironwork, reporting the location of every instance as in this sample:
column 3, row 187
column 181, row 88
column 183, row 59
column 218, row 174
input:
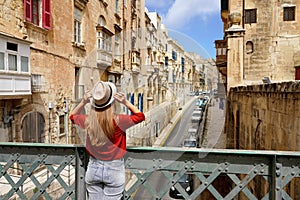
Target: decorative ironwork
column 245, row 174
column 31, row 171
column 35, row 170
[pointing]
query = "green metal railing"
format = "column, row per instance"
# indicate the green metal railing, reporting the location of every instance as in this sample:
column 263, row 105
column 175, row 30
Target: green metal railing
column 33, row 171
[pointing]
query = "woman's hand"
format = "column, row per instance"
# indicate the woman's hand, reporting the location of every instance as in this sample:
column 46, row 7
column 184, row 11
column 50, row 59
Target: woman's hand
column 87, row 96
column 84, row 101
column 120, row 97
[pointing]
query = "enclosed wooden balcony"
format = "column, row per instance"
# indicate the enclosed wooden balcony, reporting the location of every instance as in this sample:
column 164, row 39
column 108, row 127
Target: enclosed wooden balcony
column 221, row 56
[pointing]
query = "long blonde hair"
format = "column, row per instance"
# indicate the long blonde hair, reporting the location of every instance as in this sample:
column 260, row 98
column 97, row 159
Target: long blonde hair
column 100, row 125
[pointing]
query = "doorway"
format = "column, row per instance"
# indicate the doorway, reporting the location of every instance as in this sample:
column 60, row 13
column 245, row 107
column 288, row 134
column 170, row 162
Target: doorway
column 33, row 128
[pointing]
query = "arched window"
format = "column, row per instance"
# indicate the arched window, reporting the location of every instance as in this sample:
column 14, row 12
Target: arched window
column 249, row 47
column 33, row 127
column 101, row 21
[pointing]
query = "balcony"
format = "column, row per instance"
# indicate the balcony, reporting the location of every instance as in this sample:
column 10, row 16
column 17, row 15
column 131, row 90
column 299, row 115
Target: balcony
column 104, row 58
column 116, row 67
column 35, row 170
column 136, row 62
column 15, row 84
column 37, row 84
column 221, row 56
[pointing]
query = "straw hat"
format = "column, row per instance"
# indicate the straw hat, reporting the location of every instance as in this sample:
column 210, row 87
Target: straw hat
column 103, row 94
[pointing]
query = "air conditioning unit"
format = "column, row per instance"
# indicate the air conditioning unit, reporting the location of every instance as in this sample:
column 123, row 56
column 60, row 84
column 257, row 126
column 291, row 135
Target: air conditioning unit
column 36, row 82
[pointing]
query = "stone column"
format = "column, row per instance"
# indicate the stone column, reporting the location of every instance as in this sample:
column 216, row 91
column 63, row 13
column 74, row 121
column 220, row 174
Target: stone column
column 235, row 51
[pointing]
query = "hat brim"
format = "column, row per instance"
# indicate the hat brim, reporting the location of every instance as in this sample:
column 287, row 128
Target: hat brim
column 113, row 90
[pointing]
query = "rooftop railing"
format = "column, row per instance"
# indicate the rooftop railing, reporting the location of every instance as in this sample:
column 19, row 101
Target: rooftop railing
column 33, row 170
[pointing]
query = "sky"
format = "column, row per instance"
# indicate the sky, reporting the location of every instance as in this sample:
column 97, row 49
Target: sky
column 194, row 24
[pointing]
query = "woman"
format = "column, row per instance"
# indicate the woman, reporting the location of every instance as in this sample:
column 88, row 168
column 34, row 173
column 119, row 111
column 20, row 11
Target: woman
column 106, row 139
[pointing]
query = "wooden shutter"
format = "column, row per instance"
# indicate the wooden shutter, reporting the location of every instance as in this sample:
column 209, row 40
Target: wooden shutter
column 297, row 73
column 46, row 14
column 28, row 10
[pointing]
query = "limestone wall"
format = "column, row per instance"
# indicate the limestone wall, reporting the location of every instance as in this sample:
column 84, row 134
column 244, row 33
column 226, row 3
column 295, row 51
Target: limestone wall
column 264, row 117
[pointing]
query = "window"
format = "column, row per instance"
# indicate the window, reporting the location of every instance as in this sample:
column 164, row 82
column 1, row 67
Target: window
column 101, row 21
column 1, row 61
column 249, row 47
column 117, row 44
column 38, row 12
column 250, row 16
column 104, row 41
column 224, row 5
column 117, row 6
column 174, row 55
column 289, row 13
column 24, row 64
column 166, row 61
column 14, row 58
column 12, row 62
column 139, row 28
column 61, row 124
column 182, row 64
column 77, row 25
column 12, row 46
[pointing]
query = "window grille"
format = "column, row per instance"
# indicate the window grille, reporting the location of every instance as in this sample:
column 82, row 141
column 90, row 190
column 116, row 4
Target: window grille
column 250, row 16
column 289, row 13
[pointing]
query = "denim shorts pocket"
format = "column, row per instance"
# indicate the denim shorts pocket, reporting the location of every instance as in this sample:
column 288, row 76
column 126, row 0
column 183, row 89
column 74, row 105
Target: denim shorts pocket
column 93, row 173
column 115, row 178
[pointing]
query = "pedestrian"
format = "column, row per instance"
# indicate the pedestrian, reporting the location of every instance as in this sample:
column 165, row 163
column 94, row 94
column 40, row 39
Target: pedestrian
column 106, row 139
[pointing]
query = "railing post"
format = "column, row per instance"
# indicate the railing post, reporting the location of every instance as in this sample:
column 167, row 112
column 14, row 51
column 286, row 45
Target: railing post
column 276, row 190
column 81, row 164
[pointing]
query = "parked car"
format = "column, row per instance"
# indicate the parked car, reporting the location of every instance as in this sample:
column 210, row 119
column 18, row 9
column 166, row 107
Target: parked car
column 200, row 103
column 196, row 116
column 190, row 142
column 192, row 132
column 197, row 109
column 186, row 182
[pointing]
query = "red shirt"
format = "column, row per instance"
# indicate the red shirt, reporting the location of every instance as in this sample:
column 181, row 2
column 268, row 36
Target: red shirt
column 115, row 149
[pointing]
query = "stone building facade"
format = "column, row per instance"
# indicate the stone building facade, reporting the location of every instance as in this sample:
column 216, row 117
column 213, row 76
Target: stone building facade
column 258, row 59
column 268, row 35
column 262, row 44
column 265, row 117
column 51, row 52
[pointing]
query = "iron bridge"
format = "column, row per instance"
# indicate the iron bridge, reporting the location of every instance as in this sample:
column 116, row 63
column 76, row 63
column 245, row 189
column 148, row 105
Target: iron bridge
column 52, row 171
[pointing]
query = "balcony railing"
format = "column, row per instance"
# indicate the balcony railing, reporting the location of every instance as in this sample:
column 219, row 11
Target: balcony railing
column 104, row 58
column 33, row 171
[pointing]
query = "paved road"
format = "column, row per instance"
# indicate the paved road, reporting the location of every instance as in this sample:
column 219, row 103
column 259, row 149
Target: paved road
column 180, row 130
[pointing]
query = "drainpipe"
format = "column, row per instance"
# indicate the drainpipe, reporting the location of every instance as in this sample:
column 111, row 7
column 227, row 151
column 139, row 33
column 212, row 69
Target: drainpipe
column 243, row 26
column 50, row 107
column 123, row 39
column 67, row 119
